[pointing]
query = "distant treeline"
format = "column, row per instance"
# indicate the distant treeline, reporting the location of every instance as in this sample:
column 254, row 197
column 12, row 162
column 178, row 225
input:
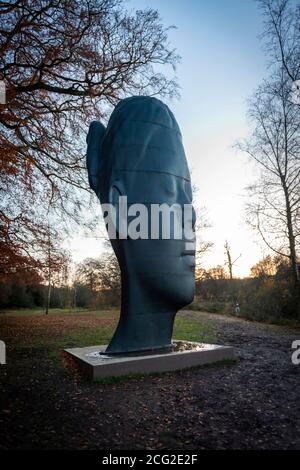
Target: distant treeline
column 268, row 295
column 17, row 293
column 258, row 299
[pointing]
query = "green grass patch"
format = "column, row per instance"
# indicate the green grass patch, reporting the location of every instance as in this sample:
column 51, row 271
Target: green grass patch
column 38, row 312
column 193, row 329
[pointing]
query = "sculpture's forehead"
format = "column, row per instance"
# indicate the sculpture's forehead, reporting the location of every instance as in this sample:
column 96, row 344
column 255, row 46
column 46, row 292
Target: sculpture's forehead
column 135, row 145
column 143, row 109
column 143, row 135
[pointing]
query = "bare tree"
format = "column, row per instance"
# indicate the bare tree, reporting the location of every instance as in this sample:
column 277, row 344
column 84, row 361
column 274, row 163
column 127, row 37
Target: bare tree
column 88, row 272
column 274, row 144
column 282, row 35
column 53, row 265
column 267, row 267
column 230, row 263
column 203, row 245
column 100, row 274
column 217, row 272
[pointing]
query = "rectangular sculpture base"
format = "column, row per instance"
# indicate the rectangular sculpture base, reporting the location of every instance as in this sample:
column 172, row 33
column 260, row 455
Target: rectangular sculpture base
column 97, row 366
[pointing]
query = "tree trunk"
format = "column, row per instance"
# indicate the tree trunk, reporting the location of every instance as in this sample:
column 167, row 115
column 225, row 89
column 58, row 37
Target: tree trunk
column 49, row 273
column 229, row 262
column 292, row 247
column 48, row 296
column 74, row 298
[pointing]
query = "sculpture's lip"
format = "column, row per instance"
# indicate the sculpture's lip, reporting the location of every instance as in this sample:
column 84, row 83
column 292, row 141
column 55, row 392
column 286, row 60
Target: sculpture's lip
column 188, row 253
column 189, row 258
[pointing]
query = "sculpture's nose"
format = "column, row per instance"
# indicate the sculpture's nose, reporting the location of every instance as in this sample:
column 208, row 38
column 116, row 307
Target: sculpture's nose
column 189, row 214
column 188, row 222
column 193, row 217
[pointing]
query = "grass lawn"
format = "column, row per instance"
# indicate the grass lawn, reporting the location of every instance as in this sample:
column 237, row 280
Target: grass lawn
column 60, row 329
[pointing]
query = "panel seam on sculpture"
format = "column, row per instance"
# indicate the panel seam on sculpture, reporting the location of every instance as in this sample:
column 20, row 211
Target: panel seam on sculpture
column 153, row 171
column 147, row 146
column 148, row 122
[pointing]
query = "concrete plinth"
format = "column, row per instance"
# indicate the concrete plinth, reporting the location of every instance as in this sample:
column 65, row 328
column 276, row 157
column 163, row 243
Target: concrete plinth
column 97, row 365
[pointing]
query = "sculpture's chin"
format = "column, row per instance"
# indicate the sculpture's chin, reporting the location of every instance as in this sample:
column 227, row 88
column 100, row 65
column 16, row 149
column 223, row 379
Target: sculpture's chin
column 185, row 295
column 175, row 290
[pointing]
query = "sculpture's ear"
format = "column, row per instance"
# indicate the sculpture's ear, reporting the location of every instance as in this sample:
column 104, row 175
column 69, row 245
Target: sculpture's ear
column 93, row 157
column 117, row 191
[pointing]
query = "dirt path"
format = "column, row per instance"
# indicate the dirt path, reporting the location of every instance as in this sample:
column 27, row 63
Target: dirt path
column 253, row 404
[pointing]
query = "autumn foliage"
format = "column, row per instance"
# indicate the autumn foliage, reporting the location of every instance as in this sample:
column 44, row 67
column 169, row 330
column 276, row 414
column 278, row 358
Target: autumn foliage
column 64, row 64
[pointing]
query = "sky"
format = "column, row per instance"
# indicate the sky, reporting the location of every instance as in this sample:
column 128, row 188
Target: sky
column 222, row 62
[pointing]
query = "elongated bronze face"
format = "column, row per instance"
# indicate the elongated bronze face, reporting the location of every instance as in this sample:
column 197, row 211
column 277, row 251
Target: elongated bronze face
column 140, row 158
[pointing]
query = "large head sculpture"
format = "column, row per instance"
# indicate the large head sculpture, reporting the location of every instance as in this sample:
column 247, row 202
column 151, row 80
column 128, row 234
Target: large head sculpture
column 139, row 160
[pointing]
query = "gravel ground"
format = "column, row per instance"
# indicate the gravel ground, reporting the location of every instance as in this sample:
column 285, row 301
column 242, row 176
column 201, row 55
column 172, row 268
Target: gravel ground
column 252, row 404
